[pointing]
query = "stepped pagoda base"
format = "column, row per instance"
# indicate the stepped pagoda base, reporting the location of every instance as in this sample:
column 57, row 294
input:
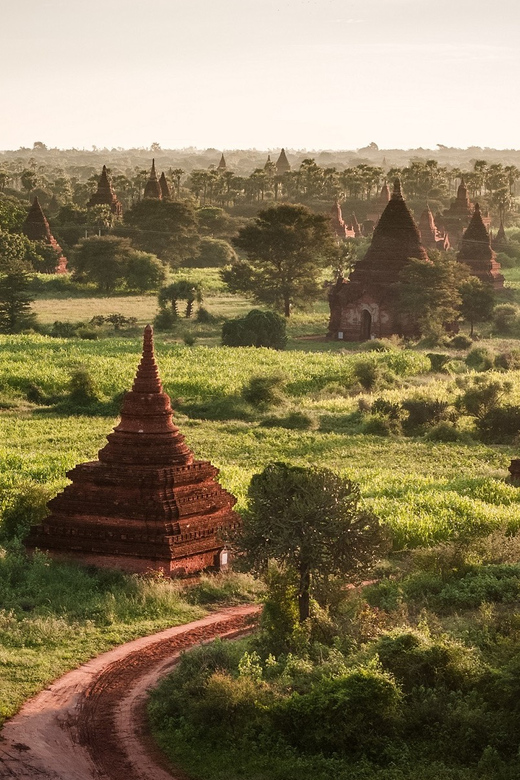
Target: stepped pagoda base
column 146, row 504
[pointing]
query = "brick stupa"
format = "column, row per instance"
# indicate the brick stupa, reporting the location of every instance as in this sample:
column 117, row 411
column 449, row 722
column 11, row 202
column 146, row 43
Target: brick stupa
column 36, row 228
column 339, row 226
column 152, row 187
column 477, row 254
column 165, row 187
column 282, row 164
column 364, row 306
column 146, row 504
column 105, row 195
column 431, row 236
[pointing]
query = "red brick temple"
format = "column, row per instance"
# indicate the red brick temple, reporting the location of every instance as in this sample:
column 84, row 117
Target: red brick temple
column 36, row 228
column 105, row 195
column 152, row 187
column 146, row 504
column 476, row 252
column 364, row 306
column 354, row 225
column 456, row 218
column 282, row 164
column 165, row 187
column 431, row 236
column 339, row 226
column 500, row 242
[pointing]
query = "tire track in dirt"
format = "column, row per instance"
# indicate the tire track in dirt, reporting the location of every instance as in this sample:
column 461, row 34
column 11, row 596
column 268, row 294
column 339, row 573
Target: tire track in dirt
column 90, row 724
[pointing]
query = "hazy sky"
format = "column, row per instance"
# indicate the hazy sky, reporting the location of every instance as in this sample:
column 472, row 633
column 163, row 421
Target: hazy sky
column 312, row 74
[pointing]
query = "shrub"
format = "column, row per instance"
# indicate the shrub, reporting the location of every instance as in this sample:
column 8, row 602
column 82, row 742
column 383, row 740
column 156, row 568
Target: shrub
column 165, row 319
column 82, row 388
column 483, row 395
column 64, row 330
column 505, row 318
column 189, row 339
column 368, row 373
column 444, row 431
column 508, row 361
column 438, row 361
column 377, row 345
column 424, row 412
column 25, row 507
column 213, row 253
column 500, row 424
column 461, row 341
column 294, row 421
column 377, row 425
column 204, row 316
column 257, row 329
column 480, row 359
column 264, row 390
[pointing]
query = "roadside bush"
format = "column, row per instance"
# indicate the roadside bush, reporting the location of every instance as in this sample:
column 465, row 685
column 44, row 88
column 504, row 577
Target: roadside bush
column 264, row 390
column 257, row 329
column 480, row 359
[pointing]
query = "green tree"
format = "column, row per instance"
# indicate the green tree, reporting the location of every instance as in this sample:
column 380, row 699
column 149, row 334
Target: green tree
column 143, row 271
column 15, row 301
column 286, row 246
column 477, row 300
column 178, row 291
column 214, row 252
column 101, row 260
column 167, row 228
column 256, row 329
column 12, row 214
column 428, row 293
column 308, row 520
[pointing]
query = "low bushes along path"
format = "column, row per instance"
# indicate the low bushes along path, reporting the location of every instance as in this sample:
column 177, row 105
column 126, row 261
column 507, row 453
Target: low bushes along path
column 90, row 724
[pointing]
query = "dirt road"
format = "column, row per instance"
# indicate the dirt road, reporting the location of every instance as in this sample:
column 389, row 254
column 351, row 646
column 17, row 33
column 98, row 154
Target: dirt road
column 88, row 725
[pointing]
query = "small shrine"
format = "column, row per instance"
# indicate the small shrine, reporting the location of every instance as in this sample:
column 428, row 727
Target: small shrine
column 166, row 193
column 146, row 503
column 377, row 206
column 105, row 195
column 339, row 226
column 152, row 187
column 500, row 242
column 222, row 164
column 354, row 225
column 36, row 228
column 364, row 306
column 477, row 254
column 282, row 164
column 431, row 236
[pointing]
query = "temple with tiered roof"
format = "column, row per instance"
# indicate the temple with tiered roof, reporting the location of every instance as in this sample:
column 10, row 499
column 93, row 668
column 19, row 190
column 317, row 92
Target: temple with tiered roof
column 282, row 164
column 152, row 187
column 166, row 193
column 146, row 503
column 476, row 252
column 365, row 305
column 431, row 236
column 105, row 195
column 36, row 228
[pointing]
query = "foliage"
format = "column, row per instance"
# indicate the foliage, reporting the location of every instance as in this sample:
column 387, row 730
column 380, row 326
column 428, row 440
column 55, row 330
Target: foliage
column 101, row 260
column 263, row 391
column 24, row 507
column 82, row 388
column 286, row 247
column 257, row 329
column 184, row 289
column 144, row 271
column 213, row 252
column 15, row 301
column 505, row 318
column 309, row 520
column 166, row 228
column 480, row 359
column 477, row 300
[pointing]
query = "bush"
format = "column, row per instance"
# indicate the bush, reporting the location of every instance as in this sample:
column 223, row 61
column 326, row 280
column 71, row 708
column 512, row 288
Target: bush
column 480, row 359
column 483, row 395
column 264, row 390
column 508, row 361
column 376, row 425
column 257, row 329
column 165, row 319
column 294, row 421
column 25, row 507
column 444, row 431
column 424, row 412
column 368, row 373
column 82, row 388
column 204, row 316
column 64, row 330
column 144, row 271
column 213, row 253
column 461, row 341
column 505, row 318
column 500, row 424
column 377, row 345
column 438, row 361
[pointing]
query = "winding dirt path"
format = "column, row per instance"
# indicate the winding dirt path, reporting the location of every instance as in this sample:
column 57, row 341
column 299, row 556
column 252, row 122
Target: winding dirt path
column 88, row 725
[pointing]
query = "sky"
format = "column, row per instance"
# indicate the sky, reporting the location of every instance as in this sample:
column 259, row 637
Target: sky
column 239, row 74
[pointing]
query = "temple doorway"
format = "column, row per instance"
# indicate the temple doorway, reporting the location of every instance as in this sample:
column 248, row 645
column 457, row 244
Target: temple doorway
column 366, row 325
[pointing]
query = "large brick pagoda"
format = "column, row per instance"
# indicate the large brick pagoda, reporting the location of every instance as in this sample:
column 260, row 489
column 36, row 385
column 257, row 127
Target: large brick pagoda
column 364, row 306
column 152, row 187
column 476, row 252
column 36, row 227
column 105, row 195
column 146, row 504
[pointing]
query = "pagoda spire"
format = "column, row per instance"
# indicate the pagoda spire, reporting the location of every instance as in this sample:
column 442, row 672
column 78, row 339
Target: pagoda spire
column 222, row 164
column 165, row 187
column 36, row 228
column 153, row 188
column 477, row 254
column 105, row 195
column 282, row 164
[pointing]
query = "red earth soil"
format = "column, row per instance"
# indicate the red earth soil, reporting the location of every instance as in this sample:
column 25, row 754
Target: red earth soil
column 91, row 723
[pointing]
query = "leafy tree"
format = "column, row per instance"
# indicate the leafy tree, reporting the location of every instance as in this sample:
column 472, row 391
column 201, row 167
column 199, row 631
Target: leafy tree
column 286, row 246
column 12, row 214
column 15, row 301
column 14, row 249
column 309, row 520
column 143, row 271
column 214, row 252
column 167, row 228
column 181, row 290
column 477, row 301
column 101, row 260
column 428, row 293
column 257, row 329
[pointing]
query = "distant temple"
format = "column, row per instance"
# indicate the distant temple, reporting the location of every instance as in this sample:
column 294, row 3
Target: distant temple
column 339, row 225
column 364, row 306
column 36, row 228
column 354, row 225
column 152, row 187
column 431, row 236
column 455, row 219
column 146, row 504
column 500, row 242
column 105, row 195
column 477, row 254
column 268, row 162
column 165, row 187
column 222, row 164
column 377, row 207
column 282, row 164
